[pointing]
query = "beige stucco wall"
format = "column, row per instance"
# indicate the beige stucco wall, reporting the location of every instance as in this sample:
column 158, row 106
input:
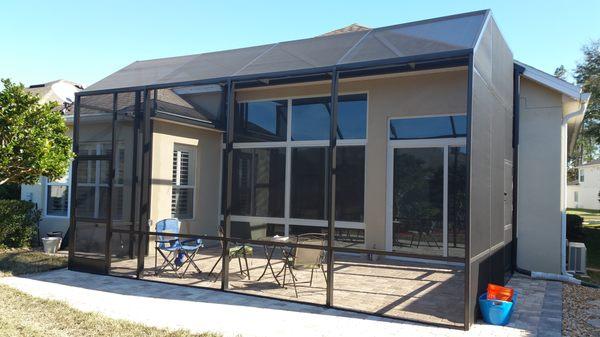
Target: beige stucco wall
column 208, row 163
column 412, row 95
column 539, row 180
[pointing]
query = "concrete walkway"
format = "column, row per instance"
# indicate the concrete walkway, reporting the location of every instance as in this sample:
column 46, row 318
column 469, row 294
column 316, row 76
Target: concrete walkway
column 200, row 310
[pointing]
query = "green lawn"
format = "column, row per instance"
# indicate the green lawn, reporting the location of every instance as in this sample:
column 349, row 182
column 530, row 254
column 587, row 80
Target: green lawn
column 591, row 230
column 25, row 315
column 25, row 261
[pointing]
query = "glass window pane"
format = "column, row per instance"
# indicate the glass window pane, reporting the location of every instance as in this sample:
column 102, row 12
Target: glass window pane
column 310, row 118
column 352, row 117
column 182, row 203
column 350, row 184
column 261, row 121
column 57, row 202
column 429, row 127
column 418, row 200
column 457, row 200
column 92, row 189
column 258, row 182
column 308, row 183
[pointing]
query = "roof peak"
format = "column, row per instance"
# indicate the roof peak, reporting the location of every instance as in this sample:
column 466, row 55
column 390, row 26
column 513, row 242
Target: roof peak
column 355, row 27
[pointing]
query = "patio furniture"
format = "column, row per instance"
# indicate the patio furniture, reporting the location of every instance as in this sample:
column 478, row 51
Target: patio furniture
column 170, row 248
column 305, row 258
column 236, row 252
column 269, row 252
column 425, row 232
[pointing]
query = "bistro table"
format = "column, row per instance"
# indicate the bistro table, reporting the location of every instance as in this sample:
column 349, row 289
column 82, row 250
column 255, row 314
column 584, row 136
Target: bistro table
column 269, row 251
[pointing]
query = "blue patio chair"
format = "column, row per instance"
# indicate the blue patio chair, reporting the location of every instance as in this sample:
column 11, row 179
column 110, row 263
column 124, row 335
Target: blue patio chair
column 176, row 253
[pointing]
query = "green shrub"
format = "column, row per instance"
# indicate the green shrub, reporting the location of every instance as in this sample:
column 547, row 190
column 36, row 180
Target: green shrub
column 18, row 223
column 574, row 227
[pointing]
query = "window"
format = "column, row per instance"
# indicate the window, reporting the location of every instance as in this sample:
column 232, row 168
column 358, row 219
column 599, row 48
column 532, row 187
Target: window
column 118, row 202
column 581, row 176
column 182, row 196
column 310, row 117
column 93, row 182
column 350, row 184
column 285, row 177
column 258, row 182
column 430, row 127
column 309, row 182
column 57, row 196
column 264, row 121
column 576, row 196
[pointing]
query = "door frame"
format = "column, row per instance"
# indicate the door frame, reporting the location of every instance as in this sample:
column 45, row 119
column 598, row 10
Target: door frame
column 444, row 143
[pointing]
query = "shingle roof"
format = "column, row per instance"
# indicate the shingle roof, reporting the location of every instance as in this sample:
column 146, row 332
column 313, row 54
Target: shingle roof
column 355, row 27
column 447, row 34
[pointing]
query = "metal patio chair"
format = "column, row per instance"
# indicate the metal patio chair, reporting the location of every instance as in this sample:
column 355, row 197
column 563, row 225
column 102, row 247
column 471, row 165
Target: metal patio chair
column 172, row 249
column 235, row 252
column 305, row 258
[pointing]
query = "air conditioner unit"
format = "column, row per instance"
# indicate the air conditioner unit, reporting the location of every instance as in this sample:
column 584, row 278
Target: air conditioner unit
column 577, row 260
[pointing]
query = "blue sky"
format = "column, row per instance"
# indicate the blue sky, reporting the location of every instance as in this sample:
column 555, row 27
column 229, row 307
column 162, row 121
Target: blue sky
column 84, row 41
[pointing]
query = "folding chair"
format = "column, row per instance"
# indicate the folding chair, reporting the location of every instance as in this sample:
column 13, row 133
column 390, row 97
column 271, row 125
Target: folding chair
column 167, row 246
column 174, row 250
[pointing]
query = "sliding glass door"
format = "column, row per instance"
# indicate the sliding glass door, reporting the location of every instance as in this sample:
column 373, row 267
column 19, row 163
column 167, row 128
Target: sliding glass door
column 427, row 186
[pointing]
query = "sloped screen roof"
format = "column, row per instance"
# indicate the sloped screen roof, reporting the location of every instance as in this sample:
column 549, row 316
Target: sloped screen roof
column 445, row 34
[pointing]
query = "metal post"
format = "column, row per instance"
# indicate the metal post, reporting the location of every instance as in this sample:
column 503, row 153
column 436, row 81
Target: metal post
column 228, row 184
column 515, row 144
column 73, row 185
column 331, row 184
column 110, row 186
column 467, row 274
column 145, row 182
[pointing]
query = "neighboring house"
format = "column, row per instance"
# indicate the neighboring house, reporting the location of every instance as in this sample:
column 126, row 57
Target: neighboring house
column 53, row 197
column 583, row 193
column 432, row 118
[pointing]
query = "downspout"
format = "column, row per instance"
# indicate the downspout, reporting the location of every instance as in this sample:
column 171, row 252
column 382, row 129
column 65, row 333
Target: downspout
column 583, row 102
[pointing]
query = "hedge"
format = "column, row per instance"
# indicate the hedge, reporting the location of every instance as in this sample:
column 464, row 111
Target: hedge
column 574, row 227
column 18, row 223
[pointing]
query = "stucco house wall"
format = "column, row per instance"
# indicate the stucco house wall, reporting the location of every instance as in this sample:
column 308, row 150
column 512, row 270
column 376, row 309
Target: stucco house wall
column 539, row 184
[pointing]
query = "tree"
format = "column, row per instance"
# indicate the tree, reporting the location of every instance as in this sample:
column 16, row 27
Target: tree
column 33, row 138
column 587, row 75
column 561, row 72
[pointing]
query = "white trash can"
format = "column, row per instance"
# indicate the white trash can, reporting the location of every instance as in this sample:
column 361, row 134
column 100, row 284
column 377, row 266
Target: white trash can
column 51, row 244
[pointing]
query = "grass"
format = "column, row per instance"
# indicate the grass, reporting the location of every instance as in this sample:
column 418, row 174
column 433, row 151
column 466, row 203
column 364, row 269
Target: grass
column 591, row 230
column 24, row 315
column 25, row 261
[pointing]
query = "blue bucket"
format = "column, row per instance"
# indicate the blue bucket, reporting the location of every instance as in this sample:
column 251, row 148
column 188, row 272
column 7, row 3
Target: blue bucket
column 495, row 311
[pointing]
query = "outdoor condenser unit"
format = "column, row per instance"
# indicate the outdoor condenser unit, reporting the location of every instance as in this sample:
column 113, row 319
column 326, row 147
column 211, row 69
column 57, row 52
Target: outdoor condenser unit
column 577, row 253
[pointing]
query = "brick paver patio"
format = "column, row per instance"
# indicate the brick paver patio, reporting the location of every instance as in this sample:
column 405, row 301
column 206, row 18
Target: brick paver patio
column 201, row 310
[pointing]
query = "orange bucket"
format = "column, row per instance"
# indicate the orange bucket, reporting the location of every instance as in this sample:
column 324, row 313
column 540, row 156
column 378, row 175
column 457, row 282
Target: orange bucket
column 496, row 292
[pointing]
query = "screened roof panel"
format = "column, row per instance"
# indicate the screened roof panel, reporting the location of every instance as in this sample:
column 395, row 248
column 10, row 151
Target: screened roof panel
column 451, row 33
column 214, row 65
column 321, row 51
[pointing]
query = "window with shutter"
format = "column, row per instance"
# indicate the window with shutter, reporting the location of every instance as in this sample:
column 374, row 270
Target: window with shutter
column 182, row 197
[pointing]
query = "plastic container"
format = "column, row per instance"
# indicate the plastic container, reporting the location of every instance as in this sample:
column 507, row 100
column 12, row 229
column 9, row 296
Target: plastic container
column 51, row 244
column 497, row 312
column 496, row 292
